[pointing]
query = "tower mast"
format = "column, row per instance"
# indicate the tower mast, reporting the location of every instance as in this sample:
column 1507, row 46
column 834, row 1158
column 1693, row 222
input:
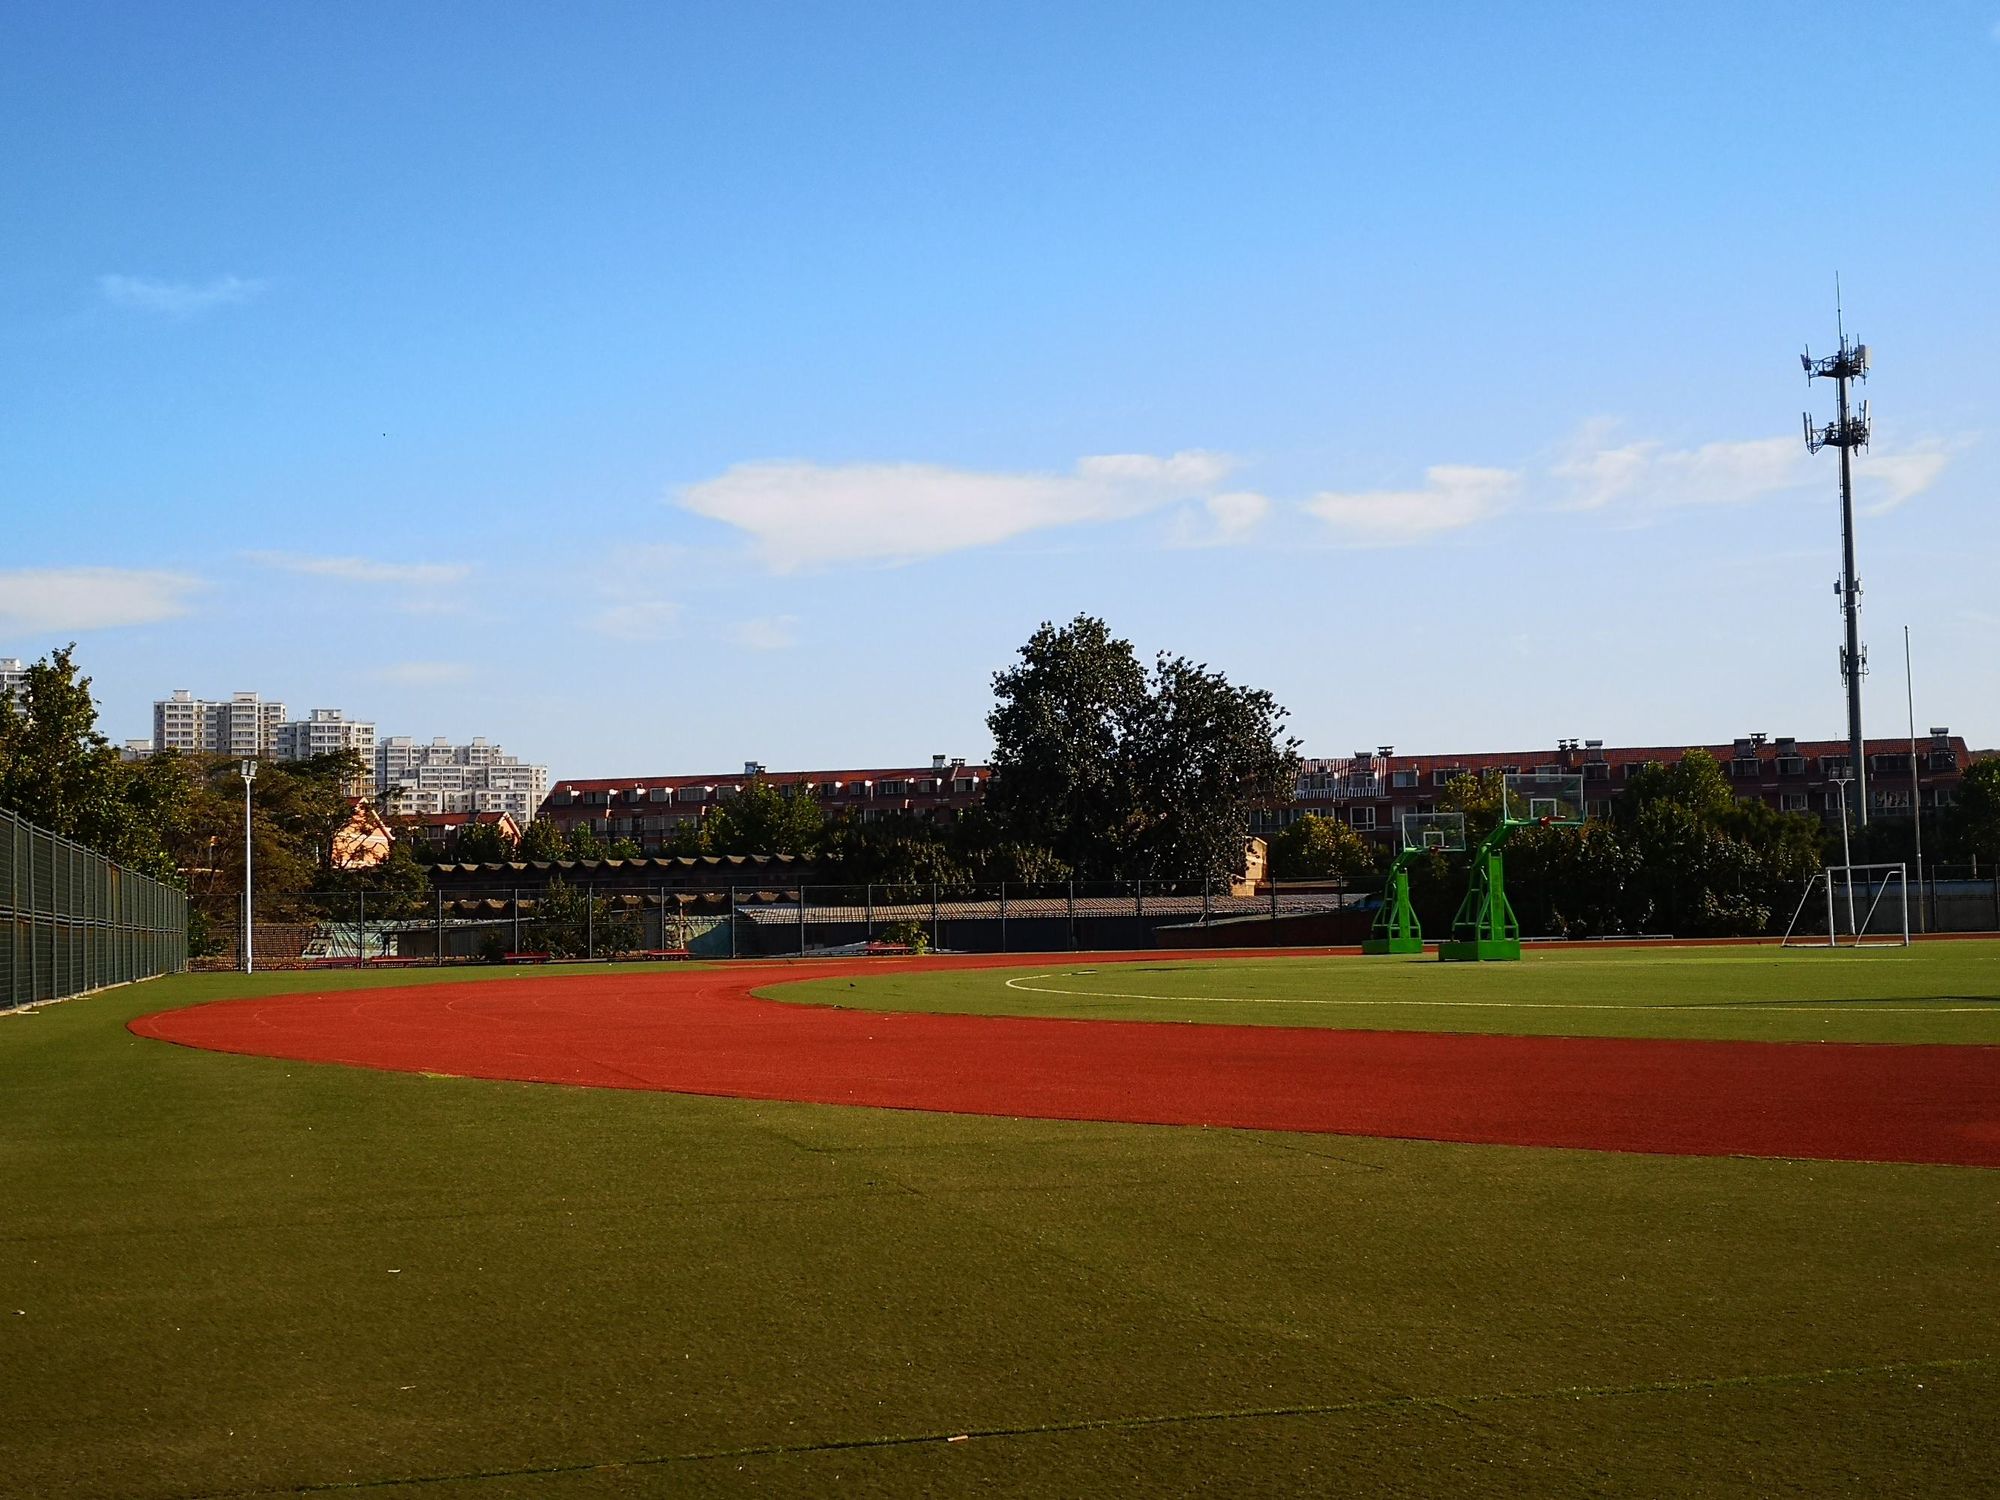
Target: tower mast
column 1846, row 433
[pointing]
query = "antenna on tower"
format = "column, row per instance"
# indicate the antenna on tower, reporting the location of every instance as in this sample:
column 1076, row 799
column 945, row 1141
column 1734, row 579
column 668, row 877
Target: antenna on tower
column 1846, row 432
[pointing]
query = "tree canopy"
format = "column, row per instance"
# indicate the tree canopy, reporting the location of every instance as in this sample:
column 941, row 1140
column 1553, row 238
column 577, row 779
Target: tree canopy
column 1120, row 772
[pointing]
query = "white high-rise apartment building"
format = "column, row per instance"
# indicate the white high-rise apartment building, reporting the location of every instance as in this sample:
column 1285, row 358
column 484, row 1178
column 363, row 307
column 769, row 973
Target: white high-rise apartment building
column 243, row 726
column 440, row 777
column 324, row 732
column 13, row 676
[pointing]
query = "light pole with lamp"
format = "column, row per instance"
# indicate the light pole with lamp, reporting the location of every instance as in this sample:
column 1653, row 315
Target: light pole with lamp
column 1846, row 853
column 249, row 769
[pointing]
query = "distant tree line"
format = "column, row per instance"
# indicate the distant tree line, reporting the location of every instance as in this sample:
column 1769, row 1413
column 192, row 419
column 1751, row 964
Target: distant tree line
column 1103, row 769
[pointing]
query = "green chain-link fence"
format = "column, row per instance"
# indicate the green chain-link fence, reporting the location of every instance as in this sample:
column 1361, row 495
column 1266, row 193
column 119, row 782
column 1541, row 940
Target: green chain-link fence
column 71, row 920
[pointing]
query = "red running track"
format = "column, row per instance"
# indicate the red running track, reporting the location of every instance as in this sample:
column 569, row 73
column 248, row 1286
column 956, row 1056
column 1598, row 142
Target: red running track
column 703, row 1032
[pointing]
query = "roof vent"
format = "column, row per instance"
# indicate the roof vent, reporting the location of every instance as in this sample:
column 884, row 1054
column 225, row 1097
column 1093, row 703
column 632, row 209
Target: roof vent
column 937, row 762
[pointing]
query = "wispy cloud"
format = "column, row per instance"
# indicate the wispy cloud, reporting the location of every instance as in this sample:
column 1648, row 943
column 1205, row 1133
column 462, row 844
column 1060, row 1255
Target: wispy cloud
column 1219, row 520
column 766, row 633
column 43, row 599
column 636, row 620
column 1596, row 472
column 802, row 513
column 362, row 569
column 1888, row 477
column 176, row 299
column 422, row 673
column 1454, row 497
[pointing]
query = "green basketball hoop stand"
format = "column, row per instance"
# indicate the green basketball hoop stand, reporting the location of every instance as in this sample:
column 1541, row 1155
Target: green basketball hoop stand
column 1396, row 929
column 1485, row 930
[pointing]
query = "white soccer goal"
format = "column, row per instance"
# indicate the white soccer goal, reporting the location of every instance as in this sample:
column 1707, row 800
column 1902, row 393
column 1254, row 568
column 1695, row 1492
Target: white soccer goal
column 1862, row 906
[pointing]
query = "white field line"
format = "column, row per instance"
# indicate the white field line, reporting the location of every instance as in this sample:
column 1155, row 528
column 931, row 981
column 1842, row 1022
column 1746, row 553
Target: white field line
column 1025, row 986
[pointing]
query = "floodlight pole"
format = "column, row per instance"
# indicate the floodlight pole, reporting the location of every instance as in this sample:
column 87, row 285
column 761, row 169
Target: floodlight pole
column 1846, row 854
column 1846, row 433
column 249, row 773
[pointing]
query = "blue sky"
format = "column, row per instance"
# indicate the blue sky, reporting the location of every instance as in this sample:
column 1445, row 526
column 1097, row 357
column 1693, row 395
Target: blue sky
column 654, row 387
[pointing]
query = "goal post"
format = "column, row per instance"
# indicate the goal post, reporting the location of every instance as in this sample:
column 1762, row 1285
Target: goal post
column 1852, row 906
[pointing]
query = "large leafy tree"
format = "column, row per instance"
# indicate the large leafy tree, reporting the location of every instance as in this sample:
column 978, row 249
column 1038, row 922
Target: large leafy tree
column 1118, row 772
column 1975, row 822
column 543, row 840
column 1317, row 848
column 762, row 820
column 1201, row 753
column 58, row 771
column 1059, row 722
column 482, row 844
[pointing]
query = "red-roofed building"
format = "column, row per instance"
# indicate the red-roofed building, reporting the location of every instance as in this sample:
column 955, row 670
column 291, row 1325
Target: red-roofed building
column 648, row 809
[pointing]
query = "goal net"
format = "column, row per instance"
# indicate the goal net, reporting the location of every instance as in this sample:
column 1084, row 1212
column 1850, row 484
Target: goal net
column 1853, row 906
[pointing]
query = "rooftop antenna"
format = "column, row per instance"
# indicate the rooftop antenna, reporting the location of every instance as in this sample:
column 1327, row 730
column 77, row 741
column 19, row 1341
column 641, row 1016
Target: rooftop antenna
column 1846, row 433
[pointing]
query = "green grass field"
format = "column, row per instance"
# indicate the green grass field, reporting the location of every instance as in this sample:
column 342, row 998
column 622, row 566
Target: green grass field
column 1933, row 992
column 236, row 1276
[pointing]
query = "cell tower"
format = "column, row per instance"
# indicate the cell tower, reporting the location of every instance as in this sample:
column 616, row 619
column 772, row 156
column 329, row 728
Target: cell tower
column 1846, row 433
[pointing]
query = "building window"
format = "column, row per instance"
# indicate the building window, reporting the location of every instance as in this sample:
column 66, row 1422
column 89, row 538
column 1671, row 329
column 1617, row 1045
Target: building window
column 1596, row 770
column 1403, row 778
column 691, row 794
column 1793, row 801
column 1744, row 768
column 1362, row 817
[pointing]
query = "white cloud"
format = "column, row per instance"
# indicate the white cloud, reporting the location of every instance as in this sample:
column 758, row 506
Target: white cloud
column 1219, row 520
column 636, row 620
column 363, row 570
column 176, row 299
column 422, row 673
column 802, row 513
column 1648, row 475
column 1884, row 480
column 1454, row 496
column 45, row 599
column 767, row 633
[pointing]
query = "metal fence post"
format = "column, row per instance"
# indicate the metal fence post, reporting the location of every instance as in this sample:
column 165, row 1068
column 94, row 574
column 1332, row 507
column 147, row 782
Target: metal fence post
column 437, row 940
column 360, row 929
column 1139, row 899
column 1003, row 918
column 732, row 921
column 517, row 918
column 868, row 913
column 934, row 916
column 1071, row 906
column 1273, row 883
column 1207, row 884
column 590, row 922
column 802, row 921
